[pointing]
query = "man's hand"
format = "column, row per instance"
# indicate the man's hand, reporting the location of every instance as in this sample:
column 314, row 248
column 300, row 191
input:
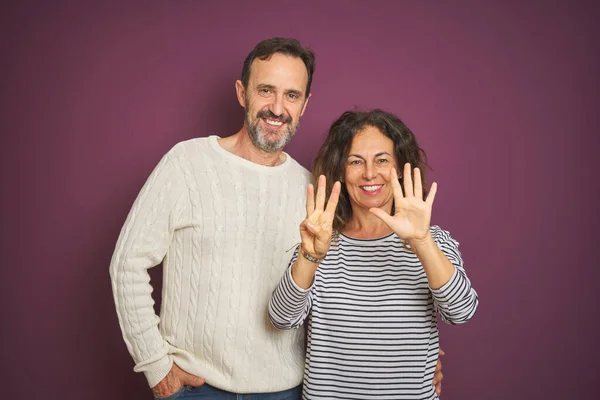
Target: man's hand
column 438, row 377
column 175, row 380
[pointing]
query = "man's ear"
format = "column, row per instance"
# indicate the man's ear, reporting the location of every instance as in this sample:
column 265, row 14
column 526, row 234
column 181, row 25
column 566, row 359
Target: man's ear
column 305, row 103
column 241, row 93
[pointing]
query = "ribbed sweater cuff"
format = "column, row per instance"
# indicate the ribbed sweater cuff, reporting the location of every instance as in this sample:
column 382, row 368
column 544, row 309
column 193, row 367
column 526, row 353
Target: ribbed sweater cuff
column 156, row 371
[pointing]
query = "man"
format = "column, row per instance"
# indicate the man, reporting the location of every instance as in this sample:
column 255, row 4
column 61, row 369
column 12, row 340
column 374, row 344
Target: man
column 221, row 214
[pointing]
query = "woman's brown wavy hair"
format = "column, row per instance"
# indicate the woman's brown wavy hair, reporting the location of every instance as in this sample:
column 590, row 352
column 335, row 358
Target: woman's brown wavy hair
column 331, row 158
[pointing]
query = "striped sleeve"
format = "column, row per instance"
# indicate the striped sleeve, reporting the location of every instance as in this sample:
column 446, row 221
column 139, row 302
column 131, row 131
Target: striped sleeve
column 456, row 301
column 289, row 304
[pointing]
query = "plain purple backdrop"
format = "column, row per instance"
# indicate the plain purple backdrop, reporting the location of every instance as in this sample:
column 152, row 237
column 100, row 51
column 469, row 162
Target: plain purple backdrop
column 504, row 98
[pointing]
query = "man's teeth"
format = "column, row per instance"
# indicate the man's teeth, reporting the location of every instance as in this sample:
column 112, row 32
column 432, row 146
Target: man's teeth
column 371, row 188
column 274, row 123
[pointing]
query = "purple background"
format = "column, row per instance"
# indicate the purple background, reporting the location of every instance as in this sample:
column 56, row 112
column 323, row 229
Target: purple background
column 503, row 97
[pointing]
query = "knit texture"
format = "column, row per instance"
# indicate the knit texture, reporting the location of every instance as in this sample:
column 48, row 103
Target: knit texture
column 222, row 226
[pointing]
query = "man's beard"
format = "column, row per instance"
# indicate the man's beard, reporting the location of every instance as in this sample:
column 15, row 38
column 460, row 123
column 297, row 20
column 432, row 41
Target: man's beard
column 259, row 135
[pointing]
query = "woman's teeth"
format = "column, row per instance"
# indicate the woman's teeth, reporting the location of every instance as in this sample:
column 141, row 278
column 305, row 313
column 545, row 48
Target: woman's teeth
column 371, row 188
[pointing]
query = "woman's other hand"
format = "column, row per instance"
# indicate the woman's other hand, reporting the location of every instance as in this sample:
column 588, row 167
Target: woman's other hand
column 412, row 214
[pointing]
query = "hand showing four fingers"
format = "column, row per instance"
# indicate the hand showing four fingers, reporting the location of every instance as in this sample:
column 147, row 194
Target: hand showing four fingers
column 317, row 228
column 412, row 214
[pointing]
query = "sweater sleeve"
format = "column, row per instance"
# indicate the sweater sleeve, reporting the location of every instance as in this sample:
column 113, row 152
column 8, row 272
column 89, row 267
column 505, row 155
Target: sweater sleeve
column 289, row 305
column 142, row 244
column 456, row 301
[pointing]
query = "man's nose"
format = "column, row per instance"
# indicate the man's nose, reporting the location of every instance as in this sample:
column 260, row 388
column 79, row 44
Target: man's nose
column 276, row 107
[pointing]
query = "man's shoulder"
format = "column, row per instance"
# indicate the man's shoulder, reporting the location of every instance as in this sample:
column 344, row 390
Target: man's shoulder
column 299, row 169
column 190, row 147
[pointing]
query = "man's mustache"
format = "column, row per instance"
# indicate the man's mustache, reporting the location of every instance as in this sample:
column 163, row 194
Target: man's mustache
column 270, row 115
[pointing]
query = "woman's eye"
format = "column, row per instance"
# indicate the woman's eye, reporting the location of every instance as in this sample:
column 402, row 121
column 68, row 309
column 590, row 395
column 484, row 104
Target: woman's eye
column 383, row 161
column 355, row 162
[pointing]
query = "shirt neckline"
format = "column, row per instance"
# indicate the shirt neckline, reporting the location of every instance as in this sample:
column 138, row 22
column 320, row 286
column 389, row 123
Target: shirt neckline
column 213, row 142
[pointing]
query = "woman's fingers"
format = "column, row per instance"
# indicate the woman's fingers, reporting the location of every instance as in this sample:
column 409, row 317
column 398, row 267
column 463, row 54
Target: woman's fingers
column 431, row 194
column 316, row 231
column 382, row 215
column 396, row 188
column 310, row 199
column 408, row 183
column 321, row 193
column 334, row 198
column 319, row 221
column 309, row 226
column 418, row 184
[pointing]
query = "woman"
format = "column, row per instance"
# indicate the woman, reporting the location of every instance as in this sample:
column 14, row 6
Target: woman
column 371, row 293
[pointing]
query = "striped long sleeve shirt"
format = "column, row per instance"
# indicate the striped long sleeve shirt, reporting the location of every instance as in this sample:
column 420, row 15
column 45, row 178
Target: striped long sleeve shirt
column 372, row 326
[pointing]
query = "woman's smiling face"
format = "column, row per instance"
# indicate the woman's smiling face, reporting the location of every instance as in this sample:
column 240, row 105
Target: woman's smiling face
column 368, row 170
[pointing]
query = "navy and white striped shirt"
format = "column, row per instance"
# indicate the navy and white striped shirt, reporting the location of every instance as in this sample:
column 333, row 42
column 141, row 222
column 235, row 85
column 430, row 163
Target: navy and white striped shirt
column 372, row 327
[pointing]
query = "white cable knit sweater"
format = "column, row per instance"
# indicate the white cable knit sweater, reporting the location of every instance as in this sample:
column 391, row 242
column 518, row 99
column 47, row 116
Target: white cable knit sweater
column 222, row 226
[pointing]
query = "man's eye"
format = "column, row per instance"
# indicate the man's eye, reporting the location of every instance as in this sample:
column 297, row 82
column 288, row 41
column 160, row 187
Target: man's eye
column 293, row 96
column 265, row 91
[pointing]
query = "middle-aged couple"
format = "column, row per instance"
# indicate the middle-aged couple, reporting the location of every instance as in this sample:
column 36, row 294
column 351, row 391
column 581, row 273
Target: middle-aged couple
column 368, row 275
